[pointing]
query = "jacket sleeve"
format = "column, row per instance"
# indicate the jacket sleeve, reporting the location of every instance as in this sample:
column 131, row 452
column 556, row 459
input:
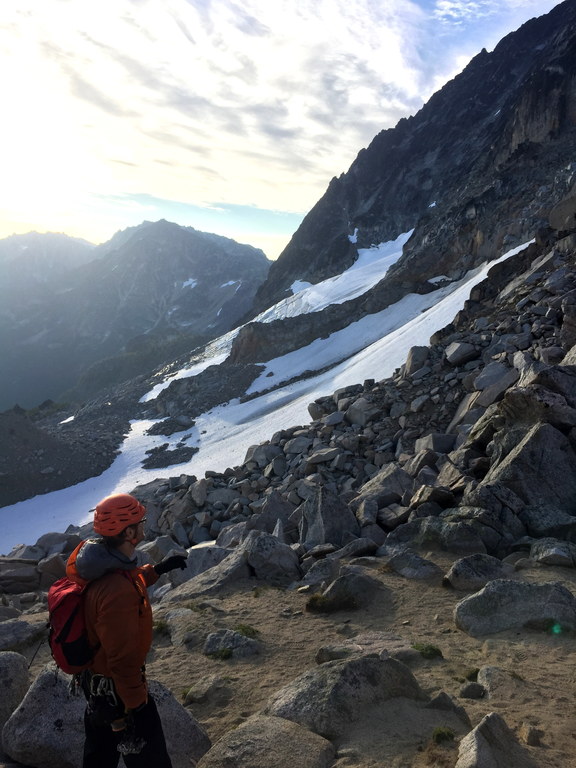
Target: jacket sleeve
column 119, row 629
column 149, row 574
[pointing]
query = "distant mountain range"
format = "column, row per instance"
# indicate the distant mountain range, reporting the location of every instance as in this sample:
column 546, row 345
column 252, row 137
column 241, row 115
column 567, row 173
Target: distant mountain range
column 75, row 318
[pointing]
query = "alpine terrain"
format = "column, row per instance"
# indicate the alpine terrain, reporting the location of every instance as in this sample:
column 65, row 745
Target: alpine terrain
column 371, row 470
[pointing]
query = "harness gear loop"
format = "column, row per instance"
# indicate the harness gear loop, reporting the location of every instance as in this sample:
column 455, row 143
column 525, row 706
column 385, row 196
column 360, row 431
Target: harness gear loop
column 104, row 687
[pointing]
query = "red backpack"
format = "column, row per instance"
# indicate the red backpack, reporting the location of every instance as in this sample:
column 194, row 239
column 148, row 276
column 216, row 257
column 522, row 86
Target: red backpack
column 67, row 631
column 67, row 634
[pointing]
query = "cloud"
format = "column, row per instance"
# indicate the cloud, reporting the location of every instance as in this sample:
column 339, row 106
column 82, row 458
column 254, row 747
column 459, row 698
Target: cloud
column 252, row 102
column 248, row 24
column 460, row 11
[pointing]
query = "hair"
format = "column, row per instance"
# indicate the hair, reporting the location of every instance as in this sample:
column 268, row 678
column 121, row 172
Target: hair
column 115, row 542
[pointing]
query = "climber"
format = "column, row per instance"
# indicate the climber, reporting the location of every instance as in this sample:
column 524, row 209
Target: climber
column 121, row 716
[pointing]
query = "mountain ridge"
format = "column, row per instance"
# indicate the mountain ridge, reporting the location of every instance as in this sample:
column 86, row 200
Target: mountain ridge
column 429, row 157
column 151, row 292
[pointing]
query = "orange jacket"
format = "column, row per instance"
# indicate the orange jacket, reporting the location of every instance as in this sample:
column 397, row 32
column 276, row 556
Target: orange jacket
column 118, row 618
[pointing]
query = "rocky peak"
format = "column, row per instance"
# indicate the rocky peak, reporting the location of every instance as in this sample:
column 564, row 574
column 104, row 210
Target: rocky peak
column 464, row 172
column 149, row 294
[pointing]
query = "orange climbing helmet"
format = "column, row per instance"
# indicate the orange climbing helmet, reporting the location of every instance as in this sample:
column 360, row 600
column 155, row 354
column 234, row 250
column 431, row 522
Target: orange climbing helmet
column 116, row 512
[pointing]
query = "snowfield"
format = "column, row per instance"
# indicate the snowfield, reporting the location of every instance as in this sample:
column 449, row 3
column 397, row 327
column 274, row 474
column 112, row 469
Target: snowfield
column 371, row 348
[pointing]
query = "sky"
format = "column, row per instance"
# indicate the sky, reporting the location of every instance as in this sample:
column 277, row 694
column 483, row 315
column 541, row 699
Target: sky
column 228, row 116
column 371, row 348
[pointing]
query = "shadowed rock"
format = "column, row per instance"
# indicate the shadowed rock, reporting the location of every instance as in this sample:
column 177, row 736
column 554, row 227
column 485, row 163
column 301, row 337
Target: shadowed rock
column 492, row 744
column 506, row 604
column 328, row 698
column 262, row 742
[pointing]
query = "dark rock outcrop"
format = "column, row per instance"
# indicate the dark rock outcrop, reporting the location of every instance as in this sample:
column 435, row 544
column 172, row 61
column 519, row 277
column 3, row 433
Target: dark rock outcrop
column 476, row 169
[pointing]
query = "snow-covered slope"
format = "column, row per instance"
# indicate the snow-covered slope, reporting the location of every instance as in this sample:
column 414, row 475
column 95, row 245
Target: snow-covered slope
column 370, row 348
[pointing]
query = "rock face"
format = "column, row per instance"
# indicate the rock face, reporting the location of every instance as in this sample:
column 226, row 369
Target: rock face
column 455, row 171
column 14, row 684
column 47, row 729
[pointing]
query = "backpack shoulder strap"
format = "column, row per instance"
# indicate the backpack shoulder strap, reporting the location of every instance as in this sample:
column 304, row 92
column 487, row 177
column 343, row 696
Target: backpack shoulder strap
column 71, row 570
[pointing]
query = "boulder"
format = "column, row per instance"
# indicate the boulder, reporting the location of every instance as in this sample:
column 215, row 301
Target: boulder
column 229, row 642
column 412, row 566
column 361, row 412
column 351, row 590
column 9, row 612
column 327, row 519
column 320, row 572
column 562, row 215
column 262, row 742
column 542, row 446
column 550, row 551
column 460, row 352
column 214, row 689
column 274, row 509
column 198, row 492
column 229, row 573
column 494, row 392
column 490, row 375
column 416, row 359
column 498, row 529
column 504, row 604
column 324, row 454
column 326, row 699
column 475, row 571
column 500, row 683
column 299, row 444
column 269, row 559
column 494, row 745
column 51, row 568
column 568, row 329
column 437, row 442
column 535, row 403
column 182, row 623
column 47, row 729
column 546, row 520
column 560, row 378
column 19, row 575
column 261, row 455
column 356, row 548
column 13, row 683
column 15, row 633
column 58, row 543
column 462, row 537
column 159, row 548
column 202, row 557
column 386, row 487
column 496, row 498
column 231, row 535
column 439, row 495
column 186, row 739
